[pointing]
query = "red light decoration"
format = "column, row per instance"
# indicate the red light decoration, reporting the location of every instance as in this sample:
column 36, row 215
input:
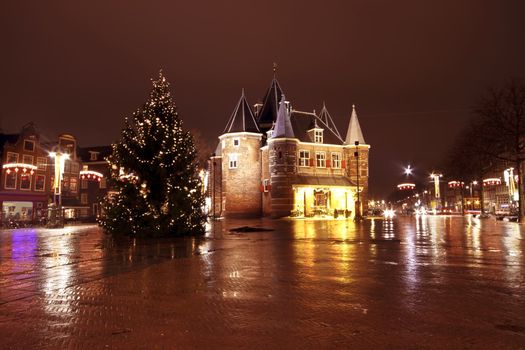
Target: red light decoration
column 8, row 171
column 32, row 172
column 494, row 181
column 455, row 184
column 91, row 175
column 16, row 170
column 406, row 186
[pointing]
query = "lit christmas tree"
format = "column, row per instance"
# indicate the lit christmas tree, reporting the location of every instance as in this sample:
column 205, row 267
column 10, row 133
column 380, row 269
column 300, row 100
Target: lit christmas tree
column 155, row 173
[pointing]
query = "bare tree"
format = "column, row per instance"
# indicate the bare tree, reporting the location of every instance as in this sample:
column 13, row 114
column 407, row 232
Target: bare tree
column 204, row 148
column 469, row 159
column 501, row 118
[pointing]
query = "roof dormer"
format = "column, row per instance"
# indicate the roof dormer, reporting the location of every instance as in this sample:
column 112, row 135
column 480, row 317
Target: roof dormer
column 315, row 133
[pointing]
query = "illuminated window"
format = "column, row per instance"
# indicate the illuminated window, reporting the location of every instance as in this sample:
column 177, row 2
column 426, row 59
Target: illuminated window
column 29, row 145
column 83, row 184
column 320, row 158
column 304, row 158
column 236, row 142
column 73, row 184
column 103, row 183
column 12, row 157
column 84, row 198
column 336, row 160
column 40, row 183
column 318, row 136
column 65, row 183
column 266, row 185
column 27, row 159
column 25, row 181
column 93, row 155
column 10, row 181
column 41, row 163
column 233, row 161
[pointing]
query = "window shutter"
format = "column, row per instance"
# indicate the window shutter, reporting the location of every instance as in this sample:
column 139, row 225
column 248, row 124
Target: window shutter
column 328, row 163
column 312, row 160
column 343, row 164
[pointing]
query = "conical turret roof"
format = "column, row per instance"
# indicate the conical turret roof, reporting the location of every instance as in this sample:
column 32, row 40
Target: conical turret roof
column 283, row 125
column 268, row 113
column 354, row 132
column 242, row 119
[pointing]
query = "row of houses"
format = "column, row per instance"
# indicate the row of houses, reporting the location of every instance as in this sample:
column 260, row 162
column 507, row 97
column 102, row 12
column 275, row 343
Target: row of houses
column 496, row 193
column 36, row 172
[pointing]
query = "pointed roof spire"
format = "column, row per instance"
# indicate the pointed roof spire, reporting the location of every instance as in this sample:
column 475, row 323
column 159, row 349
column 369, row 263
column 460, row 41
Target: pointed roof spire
column 242, row 119
column 325, row 117
column 268, row 113
column 283, row 125
column 354, row 132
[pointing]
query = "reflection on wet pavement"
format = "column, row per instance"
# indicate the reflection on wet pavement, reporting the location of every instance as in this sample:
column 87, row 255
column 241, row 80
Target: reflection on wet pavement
column 424, row 282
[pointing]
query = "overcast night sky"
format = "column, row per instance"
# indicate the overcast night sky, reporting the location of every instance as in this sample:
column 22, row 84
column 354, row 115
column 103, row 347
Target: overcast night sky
column 413, row 68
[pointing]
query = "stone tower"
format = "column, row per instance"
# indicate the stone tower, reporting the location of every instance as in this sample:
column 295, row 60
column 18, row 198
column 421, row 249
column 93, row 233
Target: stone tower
column 241, row 168
column 282, row 152
column 353, row 135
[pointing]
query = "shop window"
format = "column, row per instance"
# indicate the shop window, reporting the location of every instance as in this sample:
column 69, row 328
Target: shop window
column 10, row 181
column 40, row 183
column 304, row 158
column 41, row 163
column 25, row 182
column 320, row 158
column 336, row 160
column 12, row 157
column 29, row 145
column 26, row 159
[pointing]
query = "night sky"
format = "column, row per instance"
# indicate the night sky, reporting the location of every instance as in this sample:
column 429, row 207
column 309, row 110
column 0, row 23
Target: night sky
column 413, row 68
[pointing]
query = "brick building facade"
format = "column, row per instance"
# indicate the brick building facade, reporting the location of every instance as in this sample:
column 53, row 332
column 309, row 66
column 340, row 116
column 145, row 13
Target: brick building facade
column 277, row 161
column 37, row 173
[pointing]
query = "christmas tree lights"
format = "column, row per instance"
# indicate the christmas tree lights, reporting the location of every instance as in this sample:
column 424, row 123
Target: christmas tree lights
column 161, row 195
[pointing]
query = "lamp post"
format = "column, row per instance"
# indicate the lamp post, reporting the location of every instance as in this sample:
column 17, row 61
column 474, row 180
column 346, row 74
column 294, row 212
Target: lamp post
column 357, row 216
column 435, row 177
column 57, row 216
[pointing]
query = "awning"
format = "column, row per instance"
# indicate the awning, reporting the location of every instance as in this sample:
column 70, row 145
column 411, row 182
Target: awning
column 309, row 180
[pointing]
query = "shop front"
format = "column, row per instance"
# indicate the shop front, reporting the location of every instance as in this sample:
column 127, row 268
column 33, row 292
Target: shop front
column 19, row 209
column 324, row 197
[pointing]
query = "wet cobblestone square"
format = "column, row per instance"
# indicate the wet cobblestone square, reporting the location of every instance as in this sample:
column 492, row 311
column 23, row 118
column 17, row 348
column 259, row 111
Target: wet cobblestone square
column 410, row 283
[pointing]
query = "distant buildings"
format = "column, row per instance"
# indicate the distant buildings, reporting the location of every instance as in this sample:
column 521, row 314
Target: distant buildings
column 277, row 161
column 38, row 172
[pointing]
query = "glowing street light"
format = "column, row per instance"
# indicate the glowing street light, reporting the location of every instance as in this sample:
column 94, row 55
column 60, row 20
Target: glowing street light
column 60, row 159
column 408, row 170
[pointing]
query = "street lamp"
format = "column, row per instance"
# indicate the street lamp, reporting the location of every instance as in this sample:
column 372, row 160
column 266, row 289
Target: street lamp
column 408, row 170
column 435, row 177
column 357, row 216
column 57, row 216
